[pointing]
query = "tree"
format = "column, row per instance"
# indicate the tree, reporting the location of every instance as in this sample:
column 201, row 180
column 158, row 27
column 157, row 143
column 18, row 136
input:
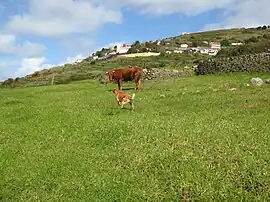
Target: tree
column 194, row 44
column 136, row 43
column 251, row 40
column 144, row 49
column 224, row 42
column 99, row 53
column 266, row 36
column 264, row 27
column 147, row 44
column 132, row 50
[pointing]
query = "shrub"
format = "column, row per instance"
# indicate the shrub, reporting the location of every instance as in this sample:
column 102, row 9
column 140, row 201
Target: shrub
column 225, row 42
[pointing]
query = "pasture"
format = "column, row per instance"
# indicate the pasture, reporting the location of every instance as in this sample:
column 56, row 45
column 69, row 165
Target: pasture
column 187, row 139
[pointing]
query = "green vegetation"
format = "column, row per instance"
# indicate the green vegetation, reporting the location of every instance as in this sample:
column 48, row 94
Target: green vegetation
column 190, row 137
column 248, row 48
column 93, row 70
column 256, row 40
column 230, row 35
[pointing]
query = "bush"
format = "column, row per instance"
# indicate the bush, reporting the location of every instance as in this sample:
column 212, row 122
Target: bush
column 225, row 42
column 259, row 47
column 251, row 40
column 9, row 83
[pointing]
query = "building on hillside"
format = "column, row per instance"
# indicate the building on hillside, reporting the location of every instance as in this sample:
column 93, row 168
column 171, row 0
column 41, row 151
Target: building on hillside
column 113, row 53
column 178, row 51
column 212, row 51
column 195, row 49
column 204, row 51
column 215, row 45
column 236, row 44
column 122, row 49
column 183, row 45
column 95, row 57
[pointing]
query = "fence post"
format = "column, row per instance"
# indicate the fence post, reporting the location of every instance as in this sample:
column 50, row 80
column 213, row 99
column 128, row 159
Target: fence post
column 53, row 78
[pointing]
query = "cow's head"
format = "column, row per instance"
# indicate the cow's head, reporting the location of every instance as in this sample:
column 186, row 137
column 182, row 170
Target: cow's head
column 106, row 78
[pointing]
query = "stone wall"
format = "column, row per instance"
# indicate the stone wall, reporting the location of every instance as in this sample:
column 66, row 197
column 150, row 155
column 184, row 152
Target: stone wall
column 245, row 63
column 156, row 73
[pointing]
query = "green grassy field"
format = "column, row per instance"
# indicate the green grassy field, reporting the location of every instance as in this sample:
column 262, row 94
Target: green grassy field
column 187, row 138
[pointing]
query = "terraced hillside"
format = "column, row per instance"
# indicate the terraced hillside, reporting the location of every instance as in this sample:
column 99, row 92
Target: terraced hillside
column 255, row 40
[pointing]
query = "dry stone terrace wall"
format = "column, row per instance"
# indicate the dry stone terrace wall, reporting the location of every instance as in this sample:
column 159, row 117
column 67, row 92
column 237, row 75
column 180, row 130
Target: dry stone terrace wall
column 244, row 63
column 156, row 73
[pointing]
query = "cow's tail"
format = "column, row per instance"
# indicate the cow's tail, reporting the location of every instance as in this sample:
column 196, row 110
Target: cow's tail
column 133, row 96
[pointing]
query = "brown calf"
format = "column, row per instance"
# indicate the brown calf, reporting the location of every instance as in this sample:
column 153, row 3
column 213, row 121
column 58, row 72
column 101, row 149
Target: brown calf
column 123, row 98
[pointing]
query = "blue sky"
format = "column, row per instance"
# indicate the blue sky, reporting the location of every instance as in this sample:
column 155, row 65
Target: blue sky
column 38, row 34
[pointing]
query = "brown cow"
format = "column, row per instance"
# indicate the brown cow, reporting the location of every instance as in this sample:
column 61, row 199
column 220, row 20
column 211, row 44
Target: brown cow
column 125, row 74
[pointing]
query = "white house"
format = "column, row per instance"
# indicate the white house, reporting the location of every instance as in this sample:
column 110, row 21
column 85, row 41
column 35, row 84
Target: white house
column 122, row 49
column 215, row 45
column 112, row 53
column 195, row 49
column 236, row 44
column 204, row 51
column 212, row 51
column 178, row 51
column 184, row 45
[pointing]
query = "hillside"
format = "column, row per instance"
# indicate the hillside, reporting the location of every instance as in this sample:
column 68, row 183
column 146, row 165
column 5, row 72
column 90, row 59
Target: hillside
column 254, row 40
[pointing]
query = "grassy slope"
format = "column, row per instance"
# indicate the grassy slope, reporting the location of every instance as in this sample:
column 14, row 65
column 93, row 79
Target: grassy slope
column 86, row 70
column 233, row 35
column 72, row 143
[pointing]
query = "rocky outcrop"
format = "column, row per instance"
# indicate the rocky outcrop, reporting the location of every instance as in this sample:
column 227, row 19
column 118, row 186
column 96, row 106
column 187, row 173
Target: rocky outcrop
column 245, row 63
column 267, row 81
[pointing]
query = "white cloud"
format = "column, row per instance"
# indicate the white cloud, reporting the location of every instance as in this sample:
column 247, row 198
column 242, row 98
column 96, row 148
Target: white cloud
column 65, row 17
column 8, row 46
column 112, row 44
column 187, row 7
column 62, row 17
column 74, row 59
column 30, row 65
column 6, row 66
column 236, row 13
column 81, row 44
column 245, row 13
